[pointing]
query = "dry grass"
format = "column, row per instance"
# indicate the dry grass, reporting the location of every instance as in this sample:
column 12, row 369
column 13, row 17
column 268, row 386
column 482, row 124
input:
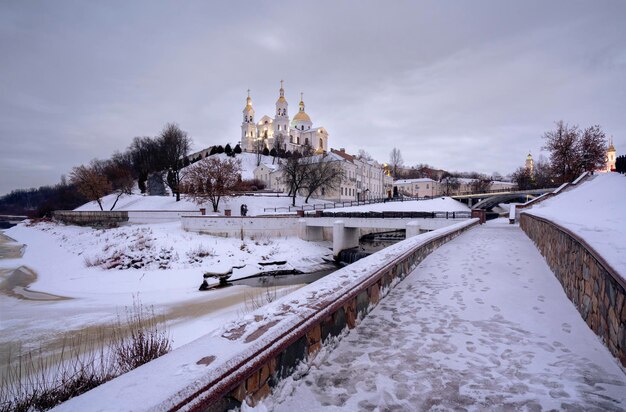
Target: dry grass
column 36, row 381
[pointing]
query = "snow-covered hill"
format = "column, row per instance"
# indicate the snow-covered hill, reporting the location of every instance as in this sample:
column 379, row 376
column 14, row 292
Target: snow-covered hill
column 595, row 211
column 256, row 204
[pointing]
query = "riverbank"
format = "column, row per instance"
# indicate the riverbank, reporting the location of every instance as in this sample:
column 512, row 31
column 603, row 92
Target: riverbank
column 54, row 290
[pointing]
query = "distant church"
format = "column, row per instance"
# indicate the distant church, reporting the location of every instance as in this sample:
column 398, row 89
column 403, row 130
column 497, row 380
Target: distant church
column 611, row 157
column 530, row 164
column 279, row 132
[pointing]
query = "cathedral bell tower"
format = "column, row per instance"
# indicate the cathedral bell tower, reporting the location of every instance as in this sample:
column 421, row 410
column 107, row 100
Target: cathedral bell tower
column 611, row 157
column 530, row 164
column 248, row 128
column 281, row 120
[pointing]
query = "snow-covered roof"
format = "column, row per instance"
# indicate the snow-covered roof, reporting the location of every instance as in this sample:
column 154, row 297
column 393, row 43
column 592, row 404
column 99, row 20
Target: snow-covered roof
column 410, row 181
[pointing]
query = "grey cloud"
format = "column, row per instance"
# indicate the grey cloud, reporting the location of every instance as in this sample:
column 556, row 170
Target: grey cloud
column 459, row 86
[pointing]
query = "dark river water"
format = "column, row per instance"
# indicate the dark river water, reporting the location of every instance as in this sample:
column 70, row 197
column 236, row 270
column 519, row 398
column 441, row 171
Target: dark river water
column 367, row 246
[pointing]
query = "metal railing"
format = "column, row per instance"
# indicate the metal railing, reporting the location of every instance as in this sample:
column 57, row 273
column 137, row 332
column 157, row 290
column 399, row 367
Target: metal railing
column 401, row 215
column 336, row 205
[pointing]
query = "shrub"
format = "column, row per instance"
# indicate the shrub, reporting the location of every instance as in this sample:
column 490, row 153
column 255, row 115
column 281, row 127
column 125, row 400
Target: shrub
column 37, row 381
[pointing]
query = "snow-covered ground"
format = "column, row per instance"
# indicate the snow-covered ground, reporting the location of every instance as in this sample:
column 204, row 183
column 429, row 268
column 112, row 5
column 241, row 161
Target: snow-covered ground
column 248, row 162
column 103, row 271
column 481, row 324
column 596, row 211
column 441, row 204
column 256, row 204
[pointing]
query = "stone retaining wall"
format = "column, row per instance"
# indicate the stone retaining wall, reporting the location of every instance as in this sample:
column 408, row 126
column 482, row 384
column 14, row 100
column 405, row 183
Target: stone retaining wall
column 91, row 218
column 114, row 218
column 595, row 288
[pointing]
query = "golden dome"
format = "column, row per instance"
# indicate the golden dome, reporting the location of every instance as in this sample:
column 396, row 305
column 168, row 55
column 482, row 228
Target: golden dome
column 301, row 117
column 611, row 148
column 248, row 103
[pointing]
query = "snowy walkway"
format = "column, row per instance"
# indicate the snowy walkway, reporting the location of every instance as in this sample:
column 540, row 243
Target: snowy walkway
column 481, row 324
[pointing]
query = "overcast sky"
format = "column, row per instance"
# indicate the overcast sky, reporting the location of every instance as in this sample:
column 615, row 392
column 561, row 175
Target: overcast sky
column 458, row 85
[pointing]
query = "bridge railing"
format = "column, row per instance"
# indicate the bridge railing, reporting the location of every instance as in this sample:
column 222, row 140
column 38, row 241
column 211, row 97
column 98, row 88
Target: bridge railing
column 400, row 215
column 336, row 205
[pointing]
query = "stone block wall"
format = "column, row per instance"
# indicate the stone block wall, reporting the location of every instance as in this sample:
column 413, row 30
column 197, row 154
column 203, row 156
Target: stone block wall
column 589, row 282
column 91, row 218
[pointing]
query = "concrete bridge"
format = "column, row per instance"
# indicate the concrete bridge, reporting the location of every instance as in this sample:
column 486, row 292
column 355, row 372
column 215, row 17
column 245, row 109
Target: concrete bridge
column 344, row 230
column 490, row 199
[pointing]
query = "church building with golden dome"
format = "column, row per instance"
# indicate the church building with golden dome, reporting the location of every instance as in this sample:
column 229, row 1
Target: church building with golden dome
column 611, row 157
column 279, row 132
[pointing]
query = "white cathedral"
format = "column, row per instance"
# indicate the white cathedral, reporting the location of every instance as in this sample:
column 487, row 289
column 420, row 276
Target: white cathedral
column 279, row 132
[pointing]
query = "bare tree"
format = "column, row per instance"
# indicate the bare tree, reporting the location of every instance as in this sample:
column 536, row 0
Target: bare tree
column 174, row 146
column 118, row 172
column 523, row 179
column 278, row 147
column 480, row 184
column 211, row 179
column 592, row 147
column 564, row 156
column 451, row 184
column 91, row 181
column 145, row 158
column 295, row 175
column 573, row 151
column 542, row 174
column 362, row 154
column 322, row 174
column 259, row 145
column 395, row 162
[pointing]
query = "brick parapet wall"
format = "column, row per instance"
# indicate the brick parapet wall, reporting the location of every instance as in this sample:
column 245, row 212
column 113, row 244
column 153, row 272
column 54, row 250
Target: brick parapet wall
column 595, row 288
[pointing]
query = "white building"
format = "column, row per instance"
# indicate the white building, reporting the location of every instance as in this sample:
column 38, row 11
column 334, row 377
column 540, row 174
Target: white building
column 361, row 178
column 279, row 132
column 423, row 187
column 611, row 158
